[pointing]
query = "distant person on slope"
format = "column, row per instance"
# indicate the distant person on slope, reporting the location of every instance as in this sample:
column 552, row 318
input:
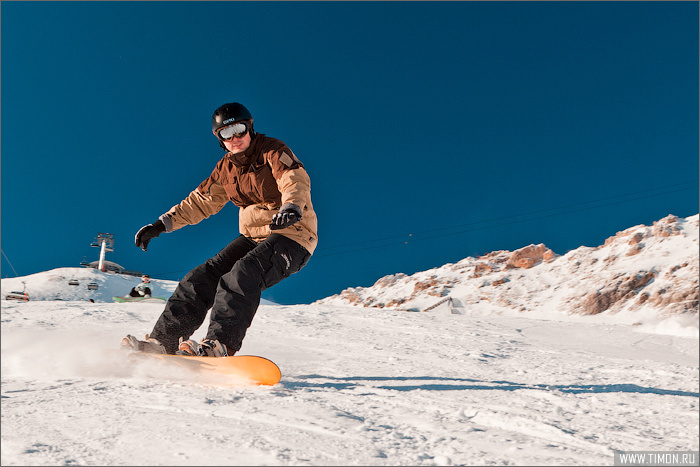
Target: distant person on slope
column 277, row 223
column 143, row 289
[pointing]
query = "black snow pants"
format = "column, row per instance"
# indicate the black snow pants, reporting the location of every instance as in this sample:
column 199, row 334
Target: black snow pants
column 230, row 284
column 135, row 293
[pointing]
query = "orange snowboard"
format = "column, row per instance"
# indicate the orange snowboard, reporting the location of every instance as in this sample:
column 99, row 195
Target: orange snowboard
column 257, row 370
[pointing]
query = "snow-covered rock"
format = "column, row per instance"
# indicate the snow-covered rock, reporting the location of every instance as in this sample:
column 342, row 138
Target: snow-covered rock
column 640, row 276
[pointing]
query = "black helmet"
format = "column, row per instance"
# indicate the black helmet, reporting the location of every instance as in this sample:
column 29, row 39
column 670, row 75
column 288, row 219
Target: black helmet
column 228, row 114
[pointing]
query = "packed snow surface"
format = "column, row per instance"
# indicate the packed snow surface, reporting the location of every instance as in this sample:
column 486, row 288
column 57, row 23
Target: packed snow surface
column 360, row 386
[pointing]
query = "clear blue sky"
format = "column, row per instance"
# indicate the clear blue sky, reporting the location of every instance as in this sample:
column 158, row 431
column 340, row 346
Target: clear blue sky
column 432, row 131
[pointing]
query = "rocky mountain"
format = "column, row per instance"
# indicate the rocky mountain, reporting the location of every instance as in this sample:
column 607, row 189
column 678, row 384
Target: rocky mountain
column 641, row 273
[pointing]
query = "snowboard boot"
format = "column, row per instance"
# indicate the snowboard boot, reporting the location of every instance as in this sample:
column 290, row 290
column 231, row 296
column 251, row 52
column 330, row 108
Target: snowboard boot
column 207, row 348
column 148, row 346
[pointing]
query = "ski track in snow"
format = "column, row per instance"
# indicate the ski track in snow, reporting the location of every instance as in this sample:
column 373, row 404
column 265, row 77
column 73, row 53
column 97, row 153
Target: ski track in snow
column 359, row 387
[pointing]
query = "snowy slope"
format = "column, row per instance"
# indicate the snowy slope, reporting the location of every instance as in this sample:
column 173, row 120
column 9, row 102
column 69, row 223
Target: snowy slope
column 360, row 386
column 55, row 285
column 529, row 358
column 644, row 276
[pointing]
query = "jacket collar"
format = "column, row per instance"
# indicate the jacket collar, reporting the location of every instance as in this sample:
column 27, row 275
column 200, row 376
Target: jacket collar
column 247, row 157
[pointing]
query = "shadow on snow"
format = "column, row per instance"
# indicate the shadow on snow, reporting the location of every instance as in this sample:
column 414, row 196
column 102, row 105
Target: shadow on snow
column 460, row 384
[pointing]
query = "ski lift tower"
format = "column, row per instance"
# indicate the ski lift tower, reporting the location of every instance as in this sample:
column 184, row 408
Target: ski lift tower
column 105, row 242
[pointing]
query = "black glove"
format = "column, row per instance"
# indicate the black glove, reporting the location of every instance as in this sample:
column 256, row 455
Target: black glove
column 289, row 214
column 149, row 232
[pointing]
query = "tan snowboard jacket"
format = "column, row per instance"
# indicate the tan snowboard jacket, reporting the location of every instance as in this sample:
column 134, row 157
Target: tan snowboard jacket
column 259, row 181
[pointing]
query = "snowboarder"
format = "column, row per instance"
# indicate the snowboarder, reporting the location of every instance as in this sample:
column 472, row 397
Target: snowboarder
column 277, row 225
column 143, row 289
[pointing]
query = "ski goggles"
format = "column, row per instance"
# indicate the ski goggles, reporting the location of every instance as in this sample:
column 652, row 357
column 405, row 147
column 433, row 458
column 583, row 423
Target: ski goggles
column 237, row 130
